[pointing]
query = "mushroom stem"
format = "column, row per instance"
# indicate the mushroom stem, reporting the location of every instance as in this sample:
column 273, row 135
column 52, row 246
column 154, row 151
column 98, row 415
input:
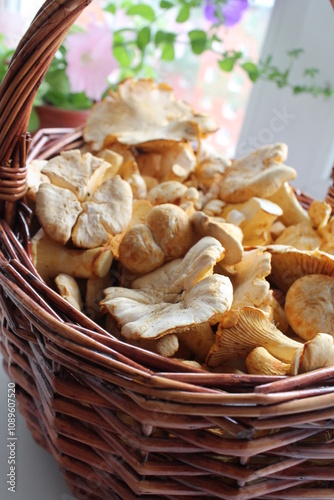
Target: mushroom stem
column 92, row 263
column 260, row 362
column 253, row 329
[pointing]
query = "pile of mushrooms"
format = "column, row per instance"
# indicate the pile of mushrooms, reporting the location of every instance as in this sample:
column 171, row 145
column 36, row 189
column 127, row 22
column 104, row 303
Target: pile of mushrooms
column 175, row 248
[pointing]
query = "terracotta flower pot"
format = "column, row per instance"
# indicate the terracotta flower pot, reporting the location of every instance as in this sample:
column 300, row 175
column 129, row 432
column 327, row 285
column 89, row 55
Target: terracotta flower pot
column 51, row 116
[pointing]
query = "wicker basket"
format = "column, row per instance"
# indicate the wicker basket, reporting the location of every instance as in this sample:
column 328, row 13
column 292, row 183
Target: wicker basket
column 196, row 434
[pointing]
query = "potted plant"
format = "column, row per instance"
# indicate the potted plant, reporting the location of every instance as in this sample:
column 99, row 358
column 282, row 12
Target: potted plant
column 115, row 40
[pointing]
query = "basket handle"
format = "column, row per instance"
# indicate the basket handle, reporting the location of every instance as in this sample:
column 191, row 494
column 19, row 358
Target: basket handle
column 26, row 71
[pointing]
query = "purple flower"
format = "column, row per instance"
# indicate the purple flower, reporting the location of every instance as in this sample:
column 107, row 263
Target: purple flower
column 232, row 11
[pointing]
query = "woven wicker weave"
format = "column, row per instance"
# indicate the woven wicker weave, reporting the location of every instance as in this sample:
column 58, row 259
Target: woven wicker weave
column 122, row 422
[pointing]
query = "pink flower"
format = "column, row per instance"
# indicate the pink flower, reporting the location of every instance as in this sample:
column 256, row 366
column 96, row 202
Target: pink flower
column 90, row 60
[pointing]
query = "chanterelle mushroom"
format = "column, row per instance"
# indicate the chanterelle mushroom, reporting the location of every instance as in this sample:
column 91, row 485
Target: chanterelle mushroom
column 143, row 111
column 309, row 305
column 250, row 287
column 230, row 236
column 261, row 173
column 81, row 174
column 107, row 212
column 175, row 297
column 57, row 210
column 171, row 230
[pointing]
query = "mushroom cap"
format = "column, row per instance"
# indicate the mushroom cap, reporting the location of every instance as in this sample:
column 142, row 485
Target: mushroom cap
column 167, row 161
column 259, row 216
column 143, row 111
column 293, row 212
column 309, row 305
column 175, row 297
column 171, row 229
column 69, row 289
column 250, row 287
column 167, row 192
column 319, row 213
column 260, row 174
column 81, row 174
column 140, row 211
column 211, row 165
column 229, row 235
column 288, row 264
column 57, row 210
column 316, row 353
column 253, row 329
column 138, row 252
column 107, row 211
column 301, row 236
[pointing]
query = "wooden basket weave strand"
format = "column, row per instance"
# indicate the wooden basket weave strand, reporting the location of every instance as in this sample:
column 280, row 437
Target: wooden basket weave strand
column 122, row 422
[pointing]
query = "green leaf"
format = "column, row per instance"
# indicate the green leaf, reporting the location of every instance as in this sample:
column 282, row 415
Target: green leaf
column 164, row 37
column 121, row 55
column 168, row 53
column 110, row 8
column 295, row 53
column 252, row 70
column 142, row 10
column 164, row 4
column 311, row 72
column 183, row 14
column 143, row 37
column 227, row 64
column 198, row 41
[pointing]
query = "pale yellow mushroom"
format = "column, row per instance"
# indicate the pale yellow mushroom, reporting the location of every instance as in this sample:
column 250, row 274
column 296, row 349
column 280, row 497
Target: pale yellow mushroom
column 167, row 192
column 275, row 311
column 171, row 230
column 276, row 229
column 199, row 339
column 115, row 159
column 253, row 329
column 293, row 212
column 301, row 236
column 230, row 236
column 211, row 165
column 260, row 362
column 288, row 264
column 142, row 111
column 35, row 177
column 93, row 296
column 92, row 263
column 81, row 174
column 319, row 213
column 214, row 208
column 167, row 160
column 309, row 305
column 259, row 174
column 173, row 298
column 316, row 353
column 260, row 214
column 138, row 186
column 327, row 236
column 107, row 211
column 69, row 289
column 250, row 287
column 57, row 210
column 140, row 211
column 138, row 251
column 168, row 345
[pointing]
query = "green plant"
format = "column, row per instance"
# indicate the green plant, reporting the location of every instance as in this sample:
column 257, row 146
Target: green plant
column 134, row 35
